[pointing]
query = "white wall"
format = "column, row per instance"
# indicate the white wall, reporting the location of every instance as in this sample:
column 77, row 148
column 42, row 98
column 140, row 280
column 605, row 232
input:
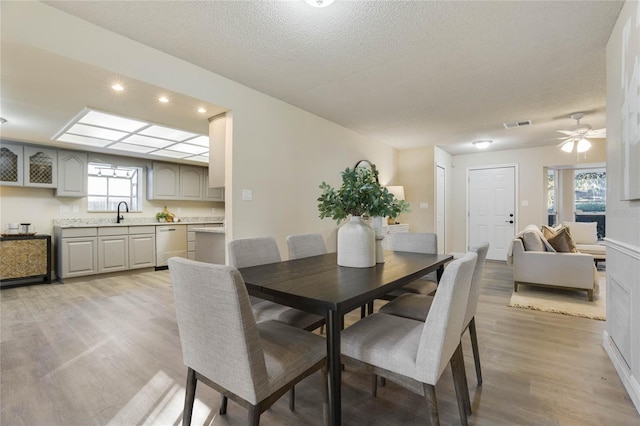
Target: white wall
column 531, row 182
column 622, row 335
column 280, row 152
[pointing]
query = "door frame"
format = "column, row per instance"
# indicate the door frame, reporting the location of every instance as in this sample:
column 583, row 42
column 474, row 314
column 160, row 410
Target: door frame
column 445, row 196
column 516, row 187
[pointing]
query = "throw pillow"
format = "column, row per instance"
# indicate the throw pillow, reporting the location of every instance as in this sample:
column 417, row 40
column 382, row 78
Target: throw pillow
column 562, row 242
column 532, row 241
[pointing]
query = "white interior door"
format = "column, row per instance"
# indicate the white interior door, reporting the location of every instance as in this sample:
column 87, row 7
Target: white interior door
column 492, row 209
column 440, row 209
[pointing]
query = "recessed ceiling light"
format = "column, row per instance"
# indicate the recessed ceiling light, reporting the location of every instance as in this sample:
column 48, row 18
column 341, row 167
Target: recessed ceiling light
column 163, row 99
column 319, row 3
column 202, row 110
column 483, row 144
column 117, row 87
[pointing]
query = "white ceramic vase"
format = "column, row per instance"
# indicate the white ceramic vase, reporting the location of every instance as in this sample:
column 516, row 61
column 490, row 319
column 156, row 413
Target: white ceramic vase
column 356, row 244
column 377, row 228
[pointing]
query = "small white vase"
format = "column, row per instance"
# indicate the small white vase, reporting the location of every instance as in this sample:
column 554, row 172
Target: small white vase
column 356, row 244
column 377, row 228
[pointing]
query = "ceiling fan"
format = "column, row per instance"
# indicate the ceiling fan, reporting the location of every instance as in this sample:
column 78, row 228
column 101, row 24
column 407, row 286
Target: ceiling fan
column 579, row 133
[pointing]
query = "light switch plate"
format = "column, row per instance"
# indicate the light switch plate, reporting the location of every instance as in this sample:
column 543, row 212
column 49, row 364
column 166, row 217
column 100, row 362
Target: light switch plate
column 64, row 209
column 247, row 194
column 524, row 203
column 424, row 205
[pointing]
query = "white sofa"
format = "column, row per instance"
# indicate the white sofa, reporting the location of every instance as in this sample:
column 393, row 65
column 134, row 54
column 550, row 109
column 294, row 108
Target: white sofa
column 552, row 269
column 585, row 236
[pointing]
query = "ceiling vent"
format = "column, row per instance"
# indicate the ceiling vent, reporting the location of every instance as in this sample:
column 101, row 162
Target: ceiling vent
column 514, row 124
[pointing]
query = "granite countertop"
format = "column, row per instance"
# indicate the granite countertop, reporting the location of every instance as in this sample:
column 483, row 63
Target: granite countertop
column 217, row 230
column 130, row 221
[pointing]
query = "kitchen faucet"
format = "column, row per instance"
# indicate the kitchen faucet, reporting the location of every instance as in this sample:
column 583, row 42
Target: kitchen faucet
column 120, row 217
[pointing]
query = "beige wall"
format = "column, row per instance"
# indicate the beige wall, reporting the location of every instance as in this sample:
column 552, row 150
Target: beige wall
column 622, row 335
column 531, row 182
column 280, row 152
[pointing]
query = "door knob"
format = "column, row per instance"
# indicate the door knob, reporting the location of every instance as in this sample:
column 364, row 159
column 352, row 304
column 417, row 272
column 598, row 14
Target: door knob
column 508, row 221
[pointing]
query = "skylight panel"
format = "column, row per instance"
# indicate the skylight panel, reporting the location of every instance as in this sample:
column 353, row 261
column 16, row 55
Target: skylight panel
column 96, row 132
column 148, row 141
column 169, row 153
column 109, row 121
column 83, row 140
column 190, row 149
column 132, row 148
column 167, row 133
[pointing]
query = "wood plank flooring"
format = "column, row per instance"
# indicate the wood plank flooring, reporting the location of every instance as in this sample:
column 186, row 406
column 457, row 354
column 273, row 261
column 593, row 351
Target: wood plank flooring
column 106, row 351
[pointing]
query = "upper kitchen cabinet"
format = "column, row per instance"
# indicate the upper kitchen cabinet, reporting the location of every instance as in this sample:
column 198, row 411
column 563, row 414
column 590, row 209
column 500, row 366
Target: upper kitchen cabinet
column 166, row 181
column 212, row 194
column 191, row 183
column 72, row 174
column 163, row 182
column 40, row 167
column 11, row 164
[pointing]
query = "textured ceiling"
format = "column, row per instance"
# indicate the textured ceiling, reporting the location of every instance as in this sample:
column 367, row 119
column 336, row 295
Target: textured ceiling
column 406, row 73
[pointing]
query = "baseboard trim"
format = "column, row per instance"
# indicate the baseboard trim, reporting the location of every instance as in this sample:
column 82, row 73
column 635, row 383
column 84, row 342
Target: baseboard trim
column 628, row 380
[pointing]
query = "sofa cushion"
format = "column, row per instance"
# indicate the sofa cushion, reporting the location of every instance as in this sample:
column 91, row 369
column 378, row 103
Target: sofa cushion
column 560, row 239
column 533, row 241
column 583, row 232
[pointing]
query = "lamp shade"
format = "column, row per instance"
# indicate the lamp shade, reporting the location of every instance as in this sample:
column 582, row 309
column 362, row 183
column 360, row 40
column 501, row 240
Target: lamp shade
column 397, row 191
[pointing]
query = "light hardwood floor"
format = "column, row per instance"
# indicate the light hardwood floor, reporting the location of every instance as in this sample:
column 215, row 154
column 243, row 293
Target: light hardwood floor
column 107, row 351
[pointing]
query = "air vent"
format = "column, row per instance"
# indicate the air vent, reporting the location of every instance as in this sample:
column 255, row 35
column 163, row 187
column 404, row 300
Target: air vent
column 514, row 124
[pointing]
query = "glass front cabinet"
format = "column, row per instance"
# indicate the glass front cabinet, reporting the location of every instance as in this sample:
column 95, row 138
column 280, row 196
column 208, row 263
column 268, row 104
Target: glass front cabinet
column 22, row 165
column 11, row 164
column 40, row 167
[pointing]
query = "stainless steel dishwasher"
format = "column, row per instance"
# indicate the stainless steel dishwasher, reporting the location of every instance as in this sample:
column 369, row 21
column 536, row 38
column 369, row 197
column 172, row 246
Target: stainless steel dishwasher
column 171, row 241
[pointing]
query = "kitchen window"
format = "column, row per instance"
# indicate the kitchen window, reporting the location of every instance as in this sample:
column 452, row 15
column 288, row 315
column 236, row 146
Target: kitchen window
column 110, row 184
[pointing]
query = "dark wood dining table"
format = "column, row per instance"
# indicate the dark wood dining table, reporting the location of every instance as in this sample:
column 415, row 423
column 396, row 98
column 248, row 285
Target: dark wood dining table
column 318, row 285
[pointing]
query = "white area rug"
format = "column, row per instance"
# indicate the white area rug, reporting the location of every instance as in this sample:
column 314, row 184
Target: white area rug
column 566, row 302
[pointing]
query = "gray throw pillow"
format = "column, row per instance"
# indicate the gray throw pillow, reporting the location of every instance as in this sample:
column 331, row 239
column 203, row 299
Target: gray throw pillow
column 532, row 242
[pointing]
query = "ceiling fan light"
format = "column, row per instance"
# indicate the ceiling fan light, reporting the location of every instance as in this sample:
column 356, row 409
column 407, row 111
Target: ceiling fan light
column 567, row 147
column 583, row 145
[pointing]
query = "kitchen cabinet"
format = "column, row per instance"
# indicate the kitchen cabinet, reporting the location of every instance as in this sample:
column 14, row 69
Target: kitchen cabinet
column 73, row 170
column 210, row 245
column 191, row 183
column 191, row 238
column 166, row 181
column 142, row 247
column 163, row 181
column 77, row 252
column 212, row 194
column 11, row 164
column 40, row 167
column 113, row 253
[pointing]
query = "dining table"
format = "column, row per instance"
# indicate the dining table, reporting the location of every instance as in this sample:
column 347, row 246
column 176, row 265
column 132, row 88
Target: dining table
column 318, row 285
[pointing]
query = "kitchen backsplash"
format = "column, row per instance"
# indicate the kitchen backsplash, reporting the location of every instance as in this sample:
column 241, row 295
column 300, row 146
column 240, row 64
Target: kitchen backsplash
column 131, row 221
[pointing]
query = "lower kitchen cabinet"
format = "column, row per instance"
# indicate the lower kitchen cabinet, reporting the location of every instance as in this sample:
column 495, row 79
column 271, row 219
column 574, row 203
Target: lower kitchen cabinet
column 77, row 257
column 113, row 253
column 142, row 251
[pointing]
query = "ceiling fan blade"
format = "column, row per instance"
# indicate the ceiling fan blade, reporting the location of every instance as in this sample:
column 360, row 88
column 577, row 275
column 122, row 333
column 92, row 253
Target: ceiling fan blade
column 597, row 133
column 566, row 132
column 566, row 140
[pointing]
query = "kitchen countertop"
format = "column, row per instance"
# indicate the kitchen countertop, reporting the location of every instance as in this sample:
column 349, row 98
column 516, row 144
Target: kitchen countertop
column 148, row 221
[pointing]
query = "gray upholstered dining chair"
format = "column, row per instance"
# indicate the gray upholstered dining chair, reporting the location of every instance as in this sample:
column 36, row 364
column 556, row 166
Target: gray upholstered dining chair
column 248, row 252
column 416, row 306
column 252, row 363
column 305, row 245
column 416, row 242
column 414, row 354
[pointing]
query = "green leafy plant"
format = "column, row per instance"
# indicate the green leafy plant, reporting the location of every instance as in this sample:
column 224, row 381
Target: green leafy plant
column 162, row 217
column 360, row 194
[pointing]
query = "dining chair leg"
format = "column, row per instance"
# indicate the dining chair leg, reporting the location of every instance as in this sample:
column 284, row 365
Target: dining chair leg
column 374, row 385
column 432, row 404
column 292, row 399
column 325, row 394
column 474, row 347
column 223, row 405
column 189, row 397
column 254, row 416
column 460, row 383
column 363, row 311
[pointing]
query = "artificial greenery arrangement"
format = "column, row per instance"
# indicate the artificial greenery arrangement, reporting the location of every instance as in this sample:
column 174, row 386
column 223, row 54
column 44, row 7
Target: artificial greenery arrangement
column 360, row 194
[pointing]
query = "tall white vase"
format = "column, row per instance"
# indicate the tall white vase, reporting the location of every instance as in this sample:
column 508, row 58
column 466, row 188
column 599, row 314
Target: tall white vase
column 356, row 244
column 377, row 228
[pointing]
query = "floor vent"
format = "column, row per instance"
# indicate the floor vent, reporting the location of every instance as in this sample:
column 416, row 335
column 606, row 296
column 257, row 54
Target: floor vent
column 514, row 124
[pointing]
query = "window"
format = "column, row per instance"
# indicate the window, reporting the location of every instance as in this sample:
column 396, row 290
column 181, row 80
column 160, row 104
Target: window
column 110, row 184
column 590, row 189
column 552, row 197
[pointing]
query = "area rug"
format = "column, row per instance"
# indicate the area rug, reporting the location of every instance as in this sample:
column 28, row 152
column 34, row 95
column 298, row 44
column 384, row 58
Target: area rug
column 566, row 302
